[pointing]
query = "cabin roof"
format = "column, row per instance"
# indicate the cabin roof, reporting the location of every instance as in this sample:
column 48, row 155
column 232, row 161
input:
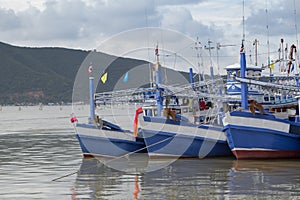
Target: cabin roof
column 237, row 66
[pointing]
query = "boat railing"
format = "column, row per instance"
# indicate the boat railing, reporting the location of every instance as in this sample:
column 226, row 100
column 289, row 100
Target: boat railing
column 269, row 84
column 140, row 95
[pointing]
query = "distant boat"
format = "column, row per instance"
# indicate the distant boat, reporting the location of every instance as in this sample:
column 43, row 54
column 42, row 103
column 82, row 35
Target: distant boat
column 99, row 137
column 260, row 87
column 255, row 135
column 270, row 98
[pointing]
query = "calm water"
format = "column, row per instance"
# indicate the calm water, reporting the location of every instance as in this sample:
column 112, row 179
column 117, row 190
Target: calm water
column 37, row 146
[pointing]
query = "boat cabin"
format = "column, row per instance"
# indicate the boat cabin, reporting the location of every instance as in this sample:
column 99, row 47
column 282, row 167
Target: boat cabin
column 234, row 87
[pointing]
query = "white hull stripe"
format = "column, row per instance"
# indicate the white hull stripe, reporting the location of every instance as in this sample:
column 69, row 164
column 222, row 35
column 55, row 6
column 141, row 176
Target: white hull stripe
column 252, row 149
column 105, row 133
column 185, row 130
column 256, row 123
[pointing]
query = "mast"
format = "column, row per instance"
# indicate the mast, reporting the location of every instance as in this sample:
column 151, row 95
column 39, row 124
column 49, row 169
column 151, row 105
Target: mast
column 296, row 29
column 159, row 98
column 209, row 48
column 255, row 43
column 198, row 48
column 244, row 87
column 281, row 56
column 92, row 104
column 295, row 18
column 268, row 41
column 191, row 77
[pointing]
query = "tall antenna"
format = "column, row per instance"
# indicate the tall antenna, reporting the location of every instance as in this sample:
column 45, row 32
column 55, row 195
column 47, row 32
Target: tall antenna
column 255, row 43
column 209, row 48
column 295, row 18
column 149, row 63
column 268, row 41
column 198, row 48
column 296, row 29
column 243, row 20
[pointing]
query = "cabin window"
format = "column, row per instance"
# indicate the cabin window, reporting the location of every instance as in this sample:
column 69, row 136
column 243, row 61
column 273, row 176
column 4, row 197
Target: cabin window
column 149, row 112
column 257, row 73
column 249, row 73
column 231, row 75
column 266, row 98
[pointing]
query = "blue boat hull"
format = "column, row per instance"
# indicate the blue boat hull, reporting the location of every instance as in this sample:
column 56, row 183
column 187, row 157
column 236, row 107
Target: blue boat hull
column 165, row 144
column 100, row 146
column 108, row 142
column 249, row 141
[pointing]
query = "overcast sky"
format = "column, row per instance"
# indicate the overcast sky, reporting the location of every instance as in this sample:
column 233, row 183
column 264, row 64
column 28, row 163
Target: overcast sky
column 83, row 24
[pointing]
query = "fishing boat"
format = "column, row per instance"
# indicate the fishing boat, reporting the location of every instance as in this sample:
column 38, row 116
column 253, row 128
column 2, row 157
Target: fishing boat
column 173, row 130
column 261, row 135
column 100, row 137
column 169, row 138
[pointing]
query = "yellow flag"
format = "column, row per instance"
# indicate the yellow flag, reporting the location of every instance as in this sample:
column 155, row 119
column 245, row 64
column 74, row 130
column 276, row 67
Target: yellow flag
column 104, row 77
column 272, row 66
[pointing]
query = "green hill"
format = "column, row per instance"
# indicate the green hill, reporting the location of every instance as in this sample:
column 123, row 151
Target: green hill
column 37, row 74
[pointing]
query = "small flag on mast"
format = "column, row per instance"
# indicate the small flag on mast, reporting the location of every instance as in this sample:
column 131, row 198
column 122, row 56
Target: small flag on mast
column 292, row 68
column 156, row 50
column 125, row 79
column 104, row 77
column 272, row 66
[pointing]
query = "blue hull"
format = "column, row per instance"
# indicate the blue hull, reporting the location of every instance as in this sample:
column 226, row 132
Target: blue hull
column 249, row 142
column 101, row 146
column 108, row 141
column 165, row 144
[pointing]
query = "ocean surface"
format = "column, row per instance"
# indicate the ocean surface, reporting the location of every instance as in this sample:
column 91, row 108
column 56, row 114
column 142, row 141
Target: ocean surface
column 40, row 158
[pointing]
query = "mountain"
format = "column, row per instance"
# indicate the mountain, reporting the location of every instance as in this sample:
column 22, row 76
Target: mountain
column 37, row 74
column 34, row 75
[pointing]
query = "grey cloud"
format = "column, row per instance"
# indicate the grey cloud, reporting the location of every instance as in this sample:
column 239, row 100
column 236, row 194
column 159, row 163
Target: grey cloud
column 8, row 20
column 279, row 19
column 178, row 2
column 77, row 20
column 181, row 19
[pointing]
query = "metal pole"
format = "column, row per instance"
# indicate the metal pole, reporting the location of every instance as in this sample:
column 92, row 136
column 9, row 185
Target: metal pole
column 92, row 103
column 191, row 77
column 244, row 88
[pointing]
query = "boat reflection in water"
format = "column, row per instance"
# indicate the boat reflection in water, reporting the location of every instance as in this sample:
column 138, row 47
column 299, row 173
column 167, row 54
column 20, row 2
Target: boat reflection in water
column 98, row 180
column 209, row 178
column 182, row 179
column 264, row 179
